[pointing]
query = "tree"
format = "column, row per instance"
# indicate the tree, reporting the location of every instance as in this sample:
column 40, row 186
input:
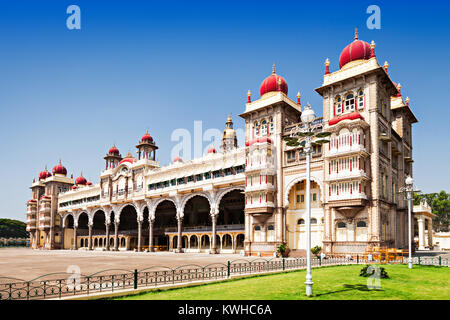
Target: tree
column 10, row 228
column 440, row 206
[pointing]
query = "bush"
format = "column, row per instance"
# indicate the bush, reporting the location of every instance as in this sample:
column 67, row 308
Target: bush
column 316, row 250
column 366, row 273
column 281, row 249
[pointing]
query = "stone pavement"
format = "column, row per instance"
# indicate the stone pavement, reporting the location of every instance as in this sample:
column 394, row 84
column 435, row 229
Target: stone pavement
column 26, row 264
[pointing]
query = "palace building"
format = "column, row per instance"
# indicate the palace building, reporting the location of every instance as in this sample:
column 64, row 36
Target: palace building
column 251, row 199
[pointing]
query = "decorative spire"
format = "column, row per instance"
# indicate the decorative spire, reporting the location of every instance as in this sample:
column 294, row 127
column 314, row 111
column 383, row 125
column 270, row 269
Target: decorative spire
column 273, row 68
column 386, row 66
column 34, row 180
column 407, row 101
column 327, row 66
column 356, row 34
column 372, row 49
column 399, row 88
column 298, row 98
column 249, row 94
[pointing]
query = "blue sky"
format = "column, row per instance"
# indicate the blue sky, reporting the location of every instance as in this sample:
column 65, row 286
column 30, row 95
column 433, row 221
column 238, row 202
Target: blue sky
column 161, row 65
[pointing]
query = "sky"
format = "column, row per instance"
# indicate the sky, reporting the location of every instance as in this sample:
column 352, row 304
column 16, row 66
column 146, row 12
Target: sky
column 161, row 65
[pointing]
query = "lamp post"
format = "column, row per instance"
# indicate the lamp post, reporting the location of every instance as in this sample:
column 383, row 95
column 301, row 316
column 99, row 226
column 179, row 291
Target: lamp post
column 308, row 133
column 408, row 191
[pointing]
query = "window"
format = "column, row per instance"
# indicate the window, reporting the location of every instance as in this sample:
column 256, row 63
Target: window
column 271, row 227
column 338, row 106
column 256, row 125
column 313, row 221
column 302, row 198
column 301, row 221
column 298, row 198
column 341, row 225
column 350, row 102
column 361, row 99
column 257, row 228
column 264, row 127
column 271, row 125
column 361, row 224
column 314, row 196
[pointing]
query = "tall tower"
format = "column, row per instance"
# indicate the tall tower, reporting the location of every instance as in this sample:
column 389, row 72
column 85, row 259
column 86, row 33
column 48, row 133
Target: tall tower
column 265, row 119
column 229, row 139
column 361, row 178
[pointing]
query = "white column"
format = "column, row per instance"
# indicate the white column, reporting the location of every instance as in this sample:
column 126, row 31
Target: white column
column 421, row 225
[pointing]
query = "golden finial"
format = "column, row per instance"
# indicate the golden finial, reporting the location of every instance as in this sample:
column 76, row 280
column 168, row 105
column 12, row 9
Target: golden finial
column 386, row 65
column 356, row 34
column 407, row 101
column 327, row 62
column 273, row 68
column 399, row 86
column 298, row 95
column 249, row 93
column 372, row 45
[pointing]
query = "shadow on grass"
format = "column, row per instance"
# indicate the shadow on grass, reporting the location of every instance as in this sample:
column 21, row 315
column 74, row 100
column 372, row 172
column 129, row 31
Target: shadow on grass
column 350, row 287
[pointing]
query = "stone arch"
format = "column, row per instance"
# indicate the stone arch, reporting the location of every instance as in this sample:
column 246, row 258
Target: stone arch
column 299, row 178
column 223, row 193
column 155, row 205
column 64, row 217
column 79, row 214
column 192, row 195
column 123, row 206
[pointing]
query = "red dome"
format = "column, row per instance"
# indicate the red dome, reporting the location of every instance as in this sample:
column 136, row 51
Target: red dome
column 114, row 150
column 357, row 50
column 89, row 183
column 177, row 159
column 272, row 83
column 44, row 174
column 147, row 137
column 81, row 180
column 59, row 169
column 74, row 187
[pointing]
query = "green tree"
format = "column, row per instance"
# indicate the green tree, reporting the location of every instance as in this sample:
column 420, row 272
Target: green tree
column 10, row 228
column 440, row 206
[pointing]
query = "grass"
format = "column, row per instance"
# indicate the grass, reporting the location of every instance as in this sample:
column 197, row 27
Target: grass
column 330, row 283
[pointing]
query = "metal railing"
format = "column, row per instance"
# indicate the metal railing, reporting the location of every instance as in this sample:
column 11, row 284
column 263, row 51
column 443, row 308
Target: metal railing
column 59, row 285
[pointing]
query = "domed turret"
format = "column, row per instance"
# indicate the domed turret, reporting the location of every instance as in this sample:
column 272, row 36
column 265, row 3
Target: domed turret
column 81, row 180
column 59, row 169
column 44, row 174
column 229, row 138
column 357, row 50
column 273, row 83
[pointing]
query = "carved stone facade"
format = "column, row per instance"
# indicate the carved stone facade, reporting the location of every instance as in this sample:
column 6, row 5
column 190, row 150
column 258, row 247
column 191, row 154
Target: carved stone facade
column 251, row 199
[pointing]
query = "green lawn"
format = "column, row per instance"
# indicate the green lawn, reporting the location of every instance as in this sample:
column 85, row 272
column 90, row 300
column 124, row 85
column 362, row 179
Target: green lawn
column 330, row 283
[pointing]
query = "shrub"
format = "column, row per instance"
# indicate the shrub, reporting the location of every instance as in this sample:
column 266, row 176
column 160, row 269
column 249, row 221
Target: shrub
column 281, row 249
column 316, row 250
column 366, row 273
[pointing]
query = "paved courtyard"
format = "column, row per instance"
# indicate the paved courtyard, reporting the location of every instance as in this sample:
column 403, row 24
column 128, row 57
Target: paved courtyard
column 26, row 264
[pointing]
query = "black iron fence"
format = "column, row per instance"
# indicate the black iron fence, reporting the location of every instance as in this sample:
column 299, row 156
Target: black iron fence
column 59, row 285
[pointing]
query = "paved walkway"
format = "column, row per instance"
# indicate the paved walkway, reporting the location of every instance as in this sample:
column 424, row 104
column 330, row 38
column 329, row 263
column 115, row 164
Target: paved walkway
column 26, row 264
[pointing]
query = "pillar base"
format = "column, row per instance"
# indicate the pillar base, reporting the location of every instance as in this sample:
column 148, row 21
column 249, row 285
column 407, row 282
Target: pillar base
column 213, row 251
column 178, row 250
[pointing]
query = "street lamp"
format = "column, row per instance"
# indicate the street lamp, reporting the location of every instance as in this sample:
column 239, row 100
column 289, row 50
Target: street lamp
column 408, row 191
column 307, row 131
